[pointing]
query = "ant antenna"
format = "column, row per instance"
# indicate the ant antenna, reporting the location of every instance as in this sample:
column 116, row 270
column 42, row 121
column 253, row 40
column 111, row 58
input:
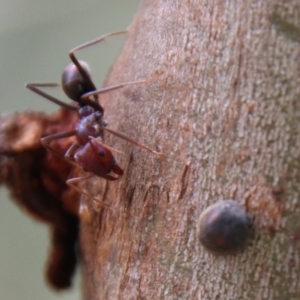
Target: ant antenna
column 105, row 146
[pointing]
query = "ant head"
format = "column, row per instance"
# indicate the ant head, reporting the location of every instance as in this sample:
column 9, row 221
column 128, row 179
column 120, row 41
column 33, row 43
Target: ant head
column 94, row 157
column 73, row 82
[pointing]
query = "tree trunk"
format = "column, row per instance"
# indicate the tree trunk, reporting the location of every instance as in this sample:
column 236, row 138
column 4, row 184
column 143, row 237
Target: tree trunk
column 226, row 113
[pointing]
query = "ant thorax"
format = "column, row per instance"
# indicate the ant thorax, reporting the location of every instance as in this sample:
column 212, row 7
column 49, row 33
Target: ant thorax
column 85, row 111
column 90, row 124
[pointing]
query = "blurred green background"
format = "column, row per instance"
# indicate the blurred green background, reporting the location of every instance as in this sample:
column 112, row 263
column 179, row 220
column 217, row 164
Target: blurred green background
column 35, row 38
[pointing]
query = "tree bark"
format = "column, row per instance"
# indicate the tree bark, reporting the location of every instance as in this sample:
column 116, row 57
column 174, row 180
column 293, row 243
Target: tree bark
column 226, row 113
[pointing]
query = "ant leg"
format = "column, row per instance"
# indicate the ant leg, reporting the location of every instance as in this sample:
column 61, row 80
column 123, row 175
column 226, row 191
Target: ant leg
column 69, row 155
column 81, row 70
column 104, row 145
column 71, row 182
column 47, row 139
column 126, row 138
column 35, row 88
column 117, row 86
column 109, row 177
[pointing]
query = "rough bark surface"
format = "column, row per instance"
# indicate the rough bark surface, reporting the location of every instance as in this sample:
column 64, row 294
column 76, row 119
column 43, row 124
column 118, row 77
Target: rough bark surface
column 226, row 113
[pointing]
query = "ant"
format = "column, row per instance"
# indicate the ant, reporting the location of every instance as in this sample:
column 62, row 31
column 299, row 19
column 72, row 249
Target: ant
column 88, row 151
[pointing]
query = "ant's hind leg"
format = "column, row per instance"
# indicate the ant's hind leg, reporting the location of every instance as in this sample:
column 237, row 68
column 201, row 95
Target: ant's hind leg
column 93, row 42
column 35, row 88
column 71, row 182
column 73, row 58
column 47, row 139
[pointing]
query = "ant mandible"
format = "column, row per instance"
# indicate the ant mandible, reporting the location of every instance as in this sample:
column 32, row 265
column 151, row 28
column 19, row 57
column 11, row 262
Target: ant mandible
column 88, row 151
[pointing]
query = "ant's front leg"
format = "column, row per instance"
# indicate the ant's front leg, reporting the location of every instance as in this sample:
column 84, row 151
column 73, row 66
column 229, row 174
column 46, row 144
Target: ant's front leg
column 71, row 182
column 69, row 155
column 34, row 87
column 47, row 139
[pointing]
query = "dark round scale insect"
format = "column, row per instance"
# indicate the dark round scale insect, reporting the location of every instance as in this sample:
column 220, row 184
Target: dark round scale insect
column 224, row 227
column 88, row 151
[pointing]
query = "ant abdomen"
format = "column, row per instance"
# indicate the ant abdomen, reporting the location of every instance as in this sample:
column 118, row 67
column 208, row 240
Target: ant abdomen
column 87, row 128
column 73, row 83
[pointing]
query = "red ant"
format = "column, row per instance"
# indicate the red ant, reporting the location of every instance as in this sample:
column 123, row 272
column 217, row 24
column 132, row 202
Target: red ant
column 88, row 151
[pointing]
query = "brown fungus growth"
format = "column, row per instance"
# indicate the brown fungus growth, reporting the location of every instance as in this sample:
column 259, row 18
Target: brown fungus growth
column 36, row 179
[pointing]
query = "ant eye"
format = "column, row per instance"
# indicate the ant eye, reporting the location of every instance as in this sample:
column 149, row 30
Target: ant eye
column 101, row 153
